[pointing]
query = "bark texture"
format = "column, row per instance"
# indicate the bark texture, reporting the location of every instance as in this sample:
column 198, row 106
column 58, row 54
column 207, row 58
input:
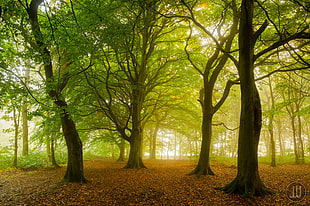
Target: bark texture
column 74, row 171
column 247, row 181
column 210, row 73
column 135, row 154
column 203, row 166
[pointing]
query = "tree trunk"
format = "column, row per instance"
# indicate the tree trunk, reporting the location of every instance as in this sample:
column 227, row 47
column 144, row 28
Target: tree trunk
column 203, row 166
column 25, row 128
column 135, row 156
column 270, row 127
column 15, row 148
column 48, row 148
column 121, row 146
column 175, row 146
column 247, row 181
column 296, row 151
column 52, row 154
column 154, row 141
column 216, row 62
column 273, row 149
column 135, row 153
column 300, row 139
column 16, row 131
column 281, row 144
column 180, row 147
column 75, row 170
column 25, row 150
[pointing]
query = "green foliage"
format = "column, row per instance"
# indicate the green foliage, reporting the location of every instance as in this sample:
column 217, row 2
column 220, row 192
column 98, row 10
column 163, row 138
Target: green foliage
column 103, row 148
column 33, row 160
column 5, row 157
column 5, row 161
column 304, row 111
column 108, row 37
column 228, row 161
column 287, row 159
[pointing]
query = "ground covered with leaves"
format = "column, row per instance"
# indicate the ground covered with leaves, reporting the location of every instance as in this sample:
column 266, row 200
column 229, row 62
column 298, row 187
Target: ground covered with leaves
column 163, row 183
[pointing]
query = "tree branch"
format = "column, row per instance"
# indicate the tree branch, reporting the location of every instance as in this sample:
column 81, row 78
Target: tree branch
column 260, row 30
column 281, row 70
column 224, row 125
column 25, row 85
column 229, row 84
column 299, row 35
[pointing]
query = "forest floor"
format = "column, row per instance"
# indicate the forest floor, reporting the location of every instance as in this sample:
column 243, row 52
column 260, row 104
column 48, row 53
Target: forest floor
column 163, row 183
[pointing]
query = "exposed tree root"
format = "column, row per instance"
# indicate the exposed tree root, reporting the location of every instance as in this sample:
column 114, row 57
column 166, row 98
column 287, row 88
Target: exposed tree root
column 201, row 171
column 135, row 165
column 120, row 159
column 246, row 189
column 55, row 166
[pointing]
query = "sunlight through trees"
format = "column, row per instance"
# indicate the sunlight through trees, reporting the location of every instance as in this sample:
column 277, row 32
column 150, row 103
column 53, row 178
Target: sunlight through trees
column 132, row 80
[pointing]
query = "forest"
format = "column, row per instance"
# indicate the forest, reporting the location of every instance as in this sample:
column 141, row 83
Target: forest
column 154, row 102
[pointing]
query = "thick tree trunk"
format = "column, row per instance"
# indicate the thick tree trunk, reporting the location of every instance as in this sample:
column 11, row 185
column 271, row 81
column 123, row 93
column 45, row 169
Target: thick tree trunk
column 135, row 156
column 212, row 69
column 247, row 181
column 135, row 153
column 74, row 171
column 203, row 166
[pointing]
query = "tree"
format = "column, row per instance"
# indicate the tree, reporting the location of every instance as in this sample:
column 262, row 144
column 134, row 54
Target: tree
column 25, row 119
column 270, row 122
column 293, row 99
column 217, row 59
column 13, row 99
column 154, row 129
column 28, row 14
column 132, row 64
column 248, row 181
column 176, row 113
